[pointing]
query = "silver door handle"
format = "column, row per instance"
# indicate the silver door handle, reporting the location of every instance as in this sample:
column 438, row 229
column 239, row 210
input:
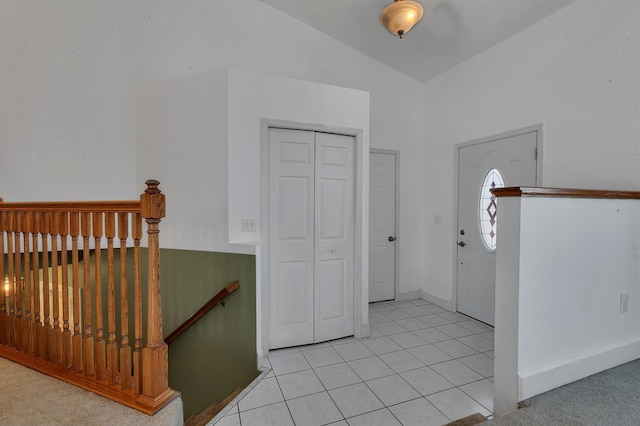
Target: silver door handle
column 462, row 244
column 332, row 250
column 392, row 239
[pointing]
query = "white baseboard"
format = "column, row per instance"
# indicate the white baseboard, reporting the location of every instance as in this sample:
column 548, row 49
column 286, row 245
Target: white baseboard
column 562, row 373
column 362, row 331
column 446, row 304
column 409, row 295
column 260, row 360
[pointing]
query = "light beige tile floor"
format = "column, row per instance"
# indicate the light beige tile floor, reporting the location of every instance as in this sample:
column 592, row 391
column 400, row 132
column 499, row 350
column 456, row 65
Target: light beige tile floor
column 421, row 365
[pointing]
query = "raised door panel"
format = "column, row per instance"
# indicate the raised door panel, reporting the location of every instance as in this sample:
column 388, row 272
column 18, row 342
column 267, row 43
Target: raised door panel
column 291, row 239
column 334, row 230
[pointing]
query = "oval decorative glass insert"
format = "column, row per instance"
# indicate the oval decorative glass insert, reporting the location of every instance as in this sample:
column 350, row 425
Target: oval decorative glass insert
column 488, row 208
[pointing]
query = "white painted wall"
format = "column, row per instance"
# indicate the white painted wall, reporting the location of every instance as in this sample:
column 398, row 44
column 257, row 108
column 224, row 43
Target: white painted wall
column 182, row 134
column 559, row 284
column 570, row 294
column 258, row 100
column 203, row 136
column 253, row 97
column 69, row 73
column 67, row 128
column 576, row 72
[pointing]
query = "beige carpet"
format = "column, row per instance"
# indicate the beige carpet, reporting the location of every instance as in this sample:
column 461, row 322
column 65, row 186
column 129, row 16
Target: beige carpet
column 31, row 398
column 608, row 398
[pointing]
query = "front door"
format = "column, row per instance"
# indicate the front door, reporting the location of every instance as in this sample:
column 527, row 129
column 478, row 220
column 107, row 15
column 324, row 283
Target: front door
column 506, row 161
column 382, row 226
column 311, row 229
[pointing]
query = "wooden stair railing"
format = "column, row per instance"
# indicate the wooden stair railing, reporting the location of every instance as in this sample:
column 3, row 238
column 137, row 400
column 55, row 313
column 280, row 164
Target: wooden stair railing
column 62, row 320
column 218, row 298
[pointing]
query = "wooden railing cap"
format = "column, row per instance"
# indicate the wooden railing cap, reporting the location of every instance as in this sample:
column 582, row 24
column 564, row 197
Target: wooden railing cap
column 152, row 186
column 524, row 191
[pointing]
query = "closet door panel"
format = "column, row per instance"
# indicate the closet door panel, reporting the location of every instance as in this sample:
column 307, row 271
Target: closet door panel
column 334, row 229
column 291, row 237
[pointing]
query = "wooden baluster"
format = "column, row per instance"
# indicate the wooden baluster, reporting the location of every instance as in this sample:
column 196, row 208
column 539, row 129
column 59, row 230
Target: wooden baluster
column 4, row 302
column 155, row 382
column 64, row 290
column 38, row 331
column 76, row 339
column 18, row 280
column 101, row 354
column 45, row 220
column 126, row 381
column 56, row 334
column 89, row 361
column 11, row 277
column 27, row 325
column 112, row 345
column 136, row 230
column 4, row 294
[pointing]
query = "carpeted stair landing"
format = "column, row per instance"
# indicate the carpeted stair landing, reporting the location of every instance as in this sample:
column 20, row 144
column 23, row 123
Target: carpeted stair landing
column 31, row 398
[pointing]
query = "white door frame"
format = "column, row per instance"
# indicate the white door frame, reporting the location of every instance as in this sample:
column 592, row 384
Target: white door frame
column 360, row 291
column 538, row 128
column 396, row 277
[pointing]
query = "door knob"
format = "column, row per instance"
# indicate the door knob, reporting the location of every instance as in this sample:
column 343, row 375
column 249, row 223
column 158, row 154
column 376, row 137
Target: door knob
column 462, row 244
column 332, row 250
column 392, row 239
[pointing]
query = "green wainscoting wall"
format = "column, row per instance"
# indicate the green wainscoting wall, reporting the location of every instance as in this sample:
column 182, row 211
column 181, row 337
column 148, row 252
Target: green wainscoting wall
column 218, row 353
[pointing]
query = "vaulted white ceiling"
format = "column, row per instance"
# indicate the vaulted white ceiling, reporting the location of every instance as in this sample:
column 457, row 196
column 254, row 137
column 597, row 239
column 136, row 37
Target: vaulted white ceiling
column 450, row 32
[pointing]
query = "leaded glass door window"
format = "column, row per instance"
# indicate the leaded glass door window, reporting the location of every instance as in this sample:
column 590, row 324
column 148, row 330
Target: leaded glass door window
column 488, row 208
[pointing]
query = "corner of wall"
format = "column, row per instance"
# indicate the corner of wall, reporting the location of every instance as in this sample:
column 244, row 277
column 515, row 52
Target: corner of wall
column 443, row 303
column 409, row 295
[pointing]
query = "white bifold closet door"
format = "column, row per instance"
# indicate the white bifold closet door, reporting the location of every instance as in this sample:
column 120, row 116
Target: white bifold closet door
column 311, row 243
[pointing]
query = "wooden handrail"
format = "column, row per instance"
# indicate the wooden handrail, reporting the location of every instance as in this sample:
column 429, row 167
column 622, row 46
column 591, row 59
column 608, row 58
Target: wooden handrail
column 202, row 311
column 73, row 206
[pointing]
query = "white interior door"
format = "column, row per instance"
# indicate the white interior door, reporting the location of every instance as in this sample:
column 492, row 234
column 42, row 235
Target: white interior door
column 508, row 161
column 311, row 237
column 334, row 236
column 382, row 226
column 291, row 237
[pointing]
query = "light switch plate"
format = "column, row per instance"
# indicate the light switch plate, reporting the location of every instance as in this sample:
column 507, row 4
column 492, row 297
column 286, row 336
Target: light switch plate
column 248, row 224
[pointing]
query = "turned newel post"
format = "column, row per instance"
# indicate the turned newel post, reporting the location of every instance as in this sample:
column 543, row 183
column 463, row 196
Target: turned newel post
column 155, row 355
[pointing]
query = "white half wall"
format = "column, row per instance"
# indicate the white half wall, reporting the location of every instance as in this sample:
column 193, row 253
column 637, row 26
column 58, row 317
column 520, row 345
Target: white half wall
column 577, row 73
column 562, row 266
column 577, row 257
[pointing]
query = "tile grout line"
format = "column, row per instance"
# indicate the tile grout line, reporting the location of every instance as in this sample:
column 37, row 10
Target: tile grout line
column 284, row 398
column 480, row 331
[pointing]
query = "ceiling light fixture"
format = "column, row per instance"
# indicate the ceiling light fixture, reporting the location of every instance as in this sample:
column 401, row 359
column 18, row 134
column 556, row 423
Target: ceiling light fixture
column 401, row 15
